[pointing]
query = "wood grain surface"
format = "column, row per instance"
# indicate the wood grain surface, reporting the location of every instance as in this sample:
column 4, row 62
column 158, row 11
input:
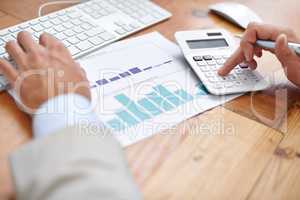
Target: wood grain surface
column 260, row 160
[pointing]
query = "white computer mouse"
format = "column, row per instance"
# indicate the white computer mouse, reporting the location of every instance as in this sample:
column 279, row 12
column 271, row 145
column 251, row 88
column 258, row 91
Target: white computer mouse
column 235, row 13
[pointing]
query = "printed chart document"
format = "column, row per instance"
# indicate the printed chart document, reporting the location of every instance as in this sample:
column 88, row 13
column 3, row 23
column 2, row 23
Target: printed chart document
column 143, row 86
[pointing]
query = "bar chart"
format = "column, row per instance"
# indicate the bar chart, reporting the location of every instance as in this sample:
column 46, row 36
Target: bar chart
column 159, row 101
column 130, row 72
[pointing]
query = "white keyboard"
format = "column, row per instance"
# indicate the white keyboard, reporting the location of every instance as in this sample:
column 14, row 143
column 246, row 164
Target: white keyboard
column 86, row 27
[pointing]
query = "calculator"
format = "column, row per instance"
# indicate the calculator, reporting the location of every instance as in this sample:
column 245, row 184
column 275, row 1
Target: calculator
column 206, row 51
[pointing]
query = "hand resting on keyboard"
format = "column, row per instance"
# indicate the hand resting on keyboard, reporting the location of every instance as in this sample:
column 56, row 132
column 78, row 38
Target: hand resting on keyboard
column 45, row 70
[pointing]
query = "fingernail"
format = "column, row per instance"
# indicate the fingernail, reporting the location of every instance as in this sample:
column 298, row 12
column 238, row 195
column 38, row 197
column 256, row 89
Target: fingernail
column 248, row 57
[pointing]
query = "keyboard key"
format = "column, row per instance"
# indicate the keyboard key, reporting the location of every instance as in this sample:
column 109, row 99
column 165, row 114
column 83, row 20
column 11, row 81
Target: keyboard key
column 147, row 19
column 47, row 24
column 74, row 50
column 64, row 18
column 34, row 22
column 76, row 22
column 107, row 36
column 14, row 29
column 4, row 33
column 82, row 36
column 86, row 26
column 120, row 31
column 44, row 19
column 60, row 28
column 92, row 33
column 134, row 25
column 51, row 31
column 2, row 51
column 69, row 33
column 73, row 40
column 56, row 21
column 24, row 26
column 68, row 25
column 96, row 40
column 78, row 29
column 8, row 38
column 66, row 43
column 85, row 45
column 61, row 36
column 128, row 28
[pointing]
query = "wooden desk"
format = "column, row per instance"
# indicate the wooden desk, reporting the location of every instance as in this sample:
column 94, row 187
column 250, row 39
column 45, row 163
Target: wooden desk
column 189, row 162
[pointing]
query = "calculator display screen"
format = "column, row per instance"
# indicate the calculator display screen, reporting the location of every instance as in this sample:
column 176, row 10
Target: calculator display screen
column 202, row 44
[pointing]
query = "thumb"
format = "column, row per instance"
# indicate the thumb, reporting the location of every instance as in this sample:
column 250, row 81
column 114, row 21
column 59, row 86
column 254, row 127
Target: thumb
column 282, row 51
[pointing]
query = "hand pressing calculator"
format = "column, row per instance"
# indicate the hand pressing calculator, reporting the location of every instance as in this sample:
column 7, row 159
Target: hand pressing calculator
column 206, row 51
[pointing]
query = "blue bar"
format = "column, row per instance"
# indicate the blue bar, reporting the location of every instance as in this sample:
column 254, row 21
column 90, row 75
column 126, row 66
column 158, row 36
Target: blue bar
column 116, row 124
column 201, row 90
column 127, row 118
column 135, row 70
column 102, row 82
column 93, row 86
column 115, row 78
column 184, row 95
column 149, row 106
column 168, row 95
column 125, row 74
column 132, row 107
column 159, row 101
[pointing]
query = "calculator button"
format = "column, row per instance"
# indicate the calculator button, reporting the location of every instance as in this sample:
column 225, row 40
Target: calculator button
column 201, row 63
column 205, row 69
column 229, row 84
column 217, row 86
column 213, row 79
column 226, row 57
column 217, row 57
column 207, row 58
column 197, row 58
column 238, row 83
column 214, row 68
column 238, row 71
column 210, row 74
column 211, row 62
column 220, row 62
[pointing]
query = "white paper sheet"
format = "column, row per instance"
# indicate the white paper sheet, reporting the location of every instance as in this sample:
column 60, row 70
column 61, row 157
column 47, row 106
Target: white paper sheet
column 143, row 86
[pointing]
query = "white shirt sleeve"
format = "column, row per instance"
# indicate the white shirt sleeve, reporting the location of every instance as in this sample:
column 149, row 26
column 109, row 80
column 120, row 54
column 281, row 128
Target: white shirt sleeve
column 64, row 111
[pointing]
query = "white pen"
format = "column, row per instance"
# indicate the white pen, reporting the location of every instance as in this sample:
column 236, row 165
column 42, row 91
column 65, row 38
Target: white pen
column 268, row 44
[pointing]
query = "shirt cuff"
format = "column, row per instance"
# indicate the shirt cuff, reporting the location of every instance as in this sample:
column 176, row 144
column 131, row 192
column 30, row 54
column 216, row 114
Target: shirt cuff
column 64, row 111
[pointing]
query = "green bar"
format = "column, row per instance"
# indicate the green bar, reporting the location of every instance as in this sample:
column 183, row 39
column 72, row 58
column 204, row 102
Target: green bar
column 116, row 124
column 201, row 90
column 149, row 106
column 127, row 118
column 184, row 95
column 168, row 95
column 132, row 107
column 159, row 101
